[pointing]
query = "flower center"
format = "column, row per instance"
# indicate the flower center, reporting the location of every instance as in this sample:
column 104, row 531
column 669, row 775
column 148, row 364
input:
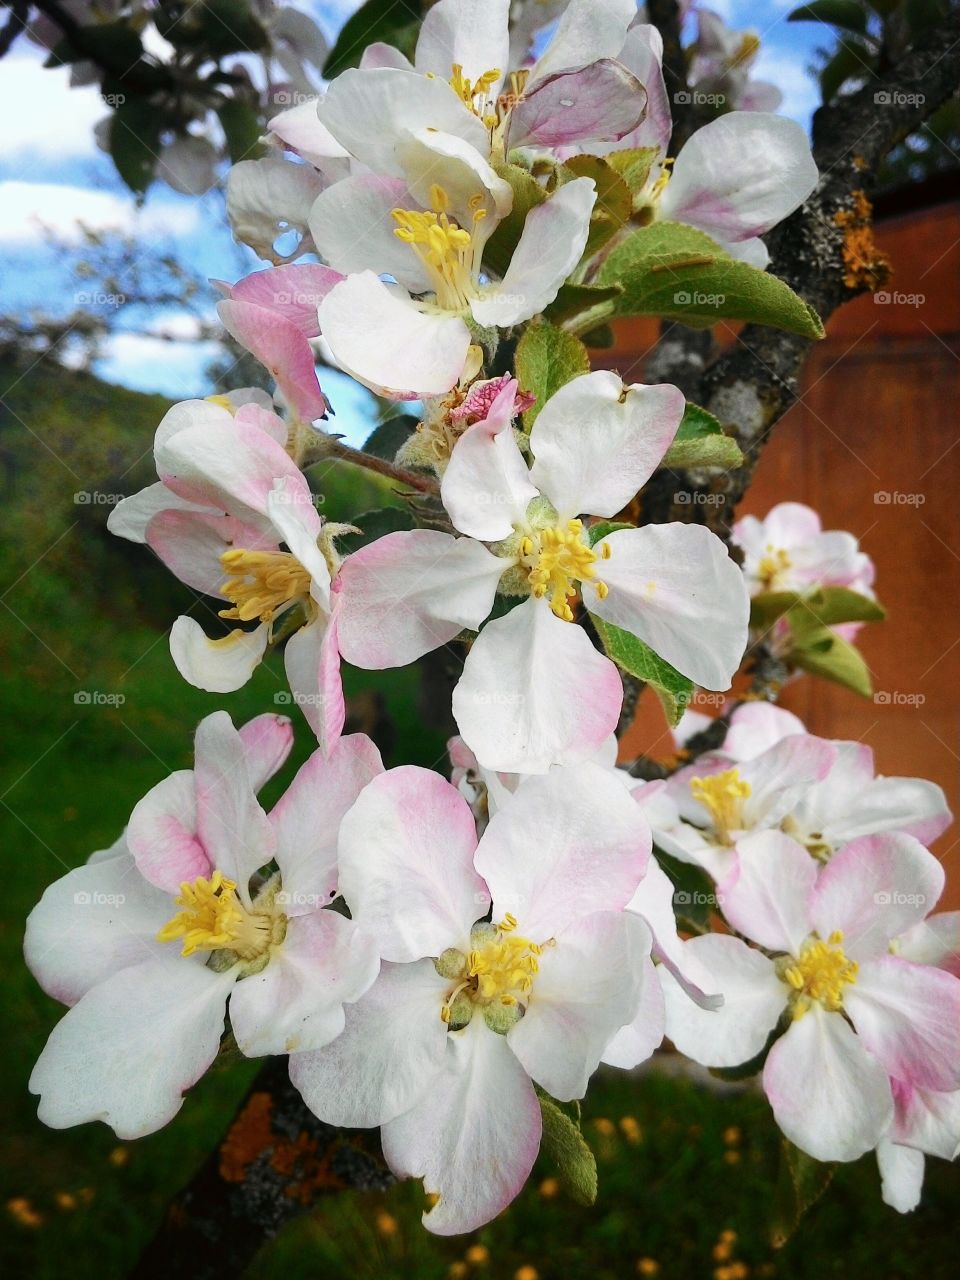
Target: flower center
column 495, row 976
column 722, row 794
column 819, row 973
column 261, row 582
column 476, row 93
column 555, row 558
column 773, row 567
column 450, row 254
column 214, row 919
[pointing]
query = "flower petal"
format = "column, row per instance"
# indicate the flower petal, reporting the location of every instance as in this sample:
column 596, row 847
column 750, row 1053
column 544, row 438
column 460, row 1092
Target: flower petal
column 480, row 1113
column 406, row 864
column 281, row 348
column 294, row 292
column 587, row 30
column 311, row 659
column 221, row 665
column 471, row 34
column 597, row 441
column 755, row 726
column 351, row 226
column 535, row 692
column 600, row 102
column 653, row 902
column 901, row 1175
column 392, row 1047
column 767, row 896
column 637, row 1041
column 568, row 844
column 162, row 834
column 829, row 1096
column 675, row 587
column 296, row 1003
column 410, row 592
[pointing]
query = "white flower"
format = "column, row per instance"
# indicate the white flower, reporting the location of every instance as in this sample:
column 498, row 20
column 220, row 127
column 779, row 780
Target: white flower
column 789, row 551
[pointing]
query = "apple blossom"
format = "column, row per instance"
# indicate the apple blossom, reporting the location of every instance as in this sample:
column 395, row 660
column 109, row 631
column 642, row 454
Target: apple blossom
column 505, row 962
column 851, row 1013
column 720, row 63
column 534, row 690
column 228, row 501
column 149, row 942
column 789, row 551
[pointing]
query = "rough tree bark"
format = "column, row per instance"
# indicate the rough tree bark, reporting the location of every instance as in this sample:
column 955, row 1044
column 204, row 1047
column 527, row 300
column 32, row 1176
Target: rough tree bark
column 277, row 1158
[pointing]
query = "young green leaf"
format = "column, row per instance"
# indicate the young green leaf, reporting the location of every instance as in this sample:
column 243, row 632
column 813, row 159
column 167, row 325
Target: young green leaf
column 700, row 442
column 639, row 660
column 527, row 194
column 393, row 22
column 385, row 440
column 822, row 652
column 566, row 1146
column 546, row 358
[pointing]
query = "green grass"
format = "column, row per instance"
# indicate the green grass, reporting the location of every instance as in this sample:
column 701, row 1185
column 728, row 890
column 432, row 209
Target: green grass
column 90, row 614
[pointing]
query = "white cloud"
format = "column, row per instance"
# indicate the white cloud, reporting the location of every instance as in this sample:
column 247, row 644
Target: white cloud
column 26, row 205
column 42, row 115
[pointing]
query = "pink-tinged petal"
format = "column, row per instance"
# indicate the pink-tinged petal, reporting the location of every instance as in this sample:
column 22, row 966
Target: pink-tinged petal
column 901, row 1175
column 535, row 692
column 791, row 524
column 486, row 487
column 753, row 999
column 637, row 1041
column 290, row 506
column 676, row 588
column 392, row 1047
column 131, row 517
column 93, row 921
column 295, row 1004
column 132, row 1046
column 190, row 545
column 588, row 987
column 469, row 181
column 586, row 32
column 218, row 666
column 653, row 901
column 553, row 238
column 162, row 834
column 934, row 941
column 568, row 844
column 927, row 1119
column 231, row 826
column 471, row 34
column 300, row 130
column 352, row 228
column 597, row 441
column 406, row 864
column 480, row 1113
column 908, row 1016
column 281, row 348
column 369, row 111
column 873, row 890
column 411, row 592
column 912, row 805
column 829, row 1096
column 307, row 817
column 256, row 415
column 757, row 726
column 189, row 414
column 294, row 292
column 311, row 659
column 231, row 467
column 386, row 342
column 379, row 55
column 642, row 53
column 767, row 896
column 600, row 102
column 740, row 175
column 267, row 741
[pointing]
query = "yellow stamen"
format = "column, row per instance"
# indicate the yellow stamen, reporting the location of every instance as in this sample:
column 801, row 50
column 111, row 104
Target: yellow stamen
column 660, row 185
column 819, row 973
column 450, row 254
column 557, row 557
column 213, row 919
column 722, row 794
column 261, row 582
column 475, row 93
column 773, row 566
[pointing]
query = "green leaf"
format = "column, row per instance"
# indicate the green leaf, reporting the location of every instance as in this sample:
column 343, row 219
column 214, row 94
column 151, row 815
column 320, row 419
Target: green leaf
column 375, row 524
column 700, row 442
column 800, row 1184
column 852, row 59
column 583, row 302
column 835, row 13
column 546, row 358
column 116, row 42
column 677, row 272
column 825, row 607
column 241, row 127
column 527, row 194
column 633, row 165
column 822, row 652
column 602, row 527
column 135, row 142
column 386, row 440
column 639, row 660
column 694, row 893
column 614, row 202
column 566, row 1146
column 394, row 22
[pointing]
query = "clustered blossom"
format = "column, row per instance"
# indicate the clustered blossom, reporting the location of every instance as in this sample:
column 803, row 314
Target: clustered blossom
column 437, row 958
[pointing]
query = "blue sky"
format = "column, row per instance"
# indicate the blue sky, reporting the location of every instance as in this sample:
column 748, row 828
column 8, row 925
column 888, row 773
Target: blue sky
column 51, row 169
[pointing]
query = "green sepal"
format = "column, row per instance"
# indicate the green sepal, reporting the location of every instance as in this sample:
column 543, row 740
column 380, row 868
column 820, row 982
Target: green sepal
column 388, row 438
column 800, row 1184
column 825, row 607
